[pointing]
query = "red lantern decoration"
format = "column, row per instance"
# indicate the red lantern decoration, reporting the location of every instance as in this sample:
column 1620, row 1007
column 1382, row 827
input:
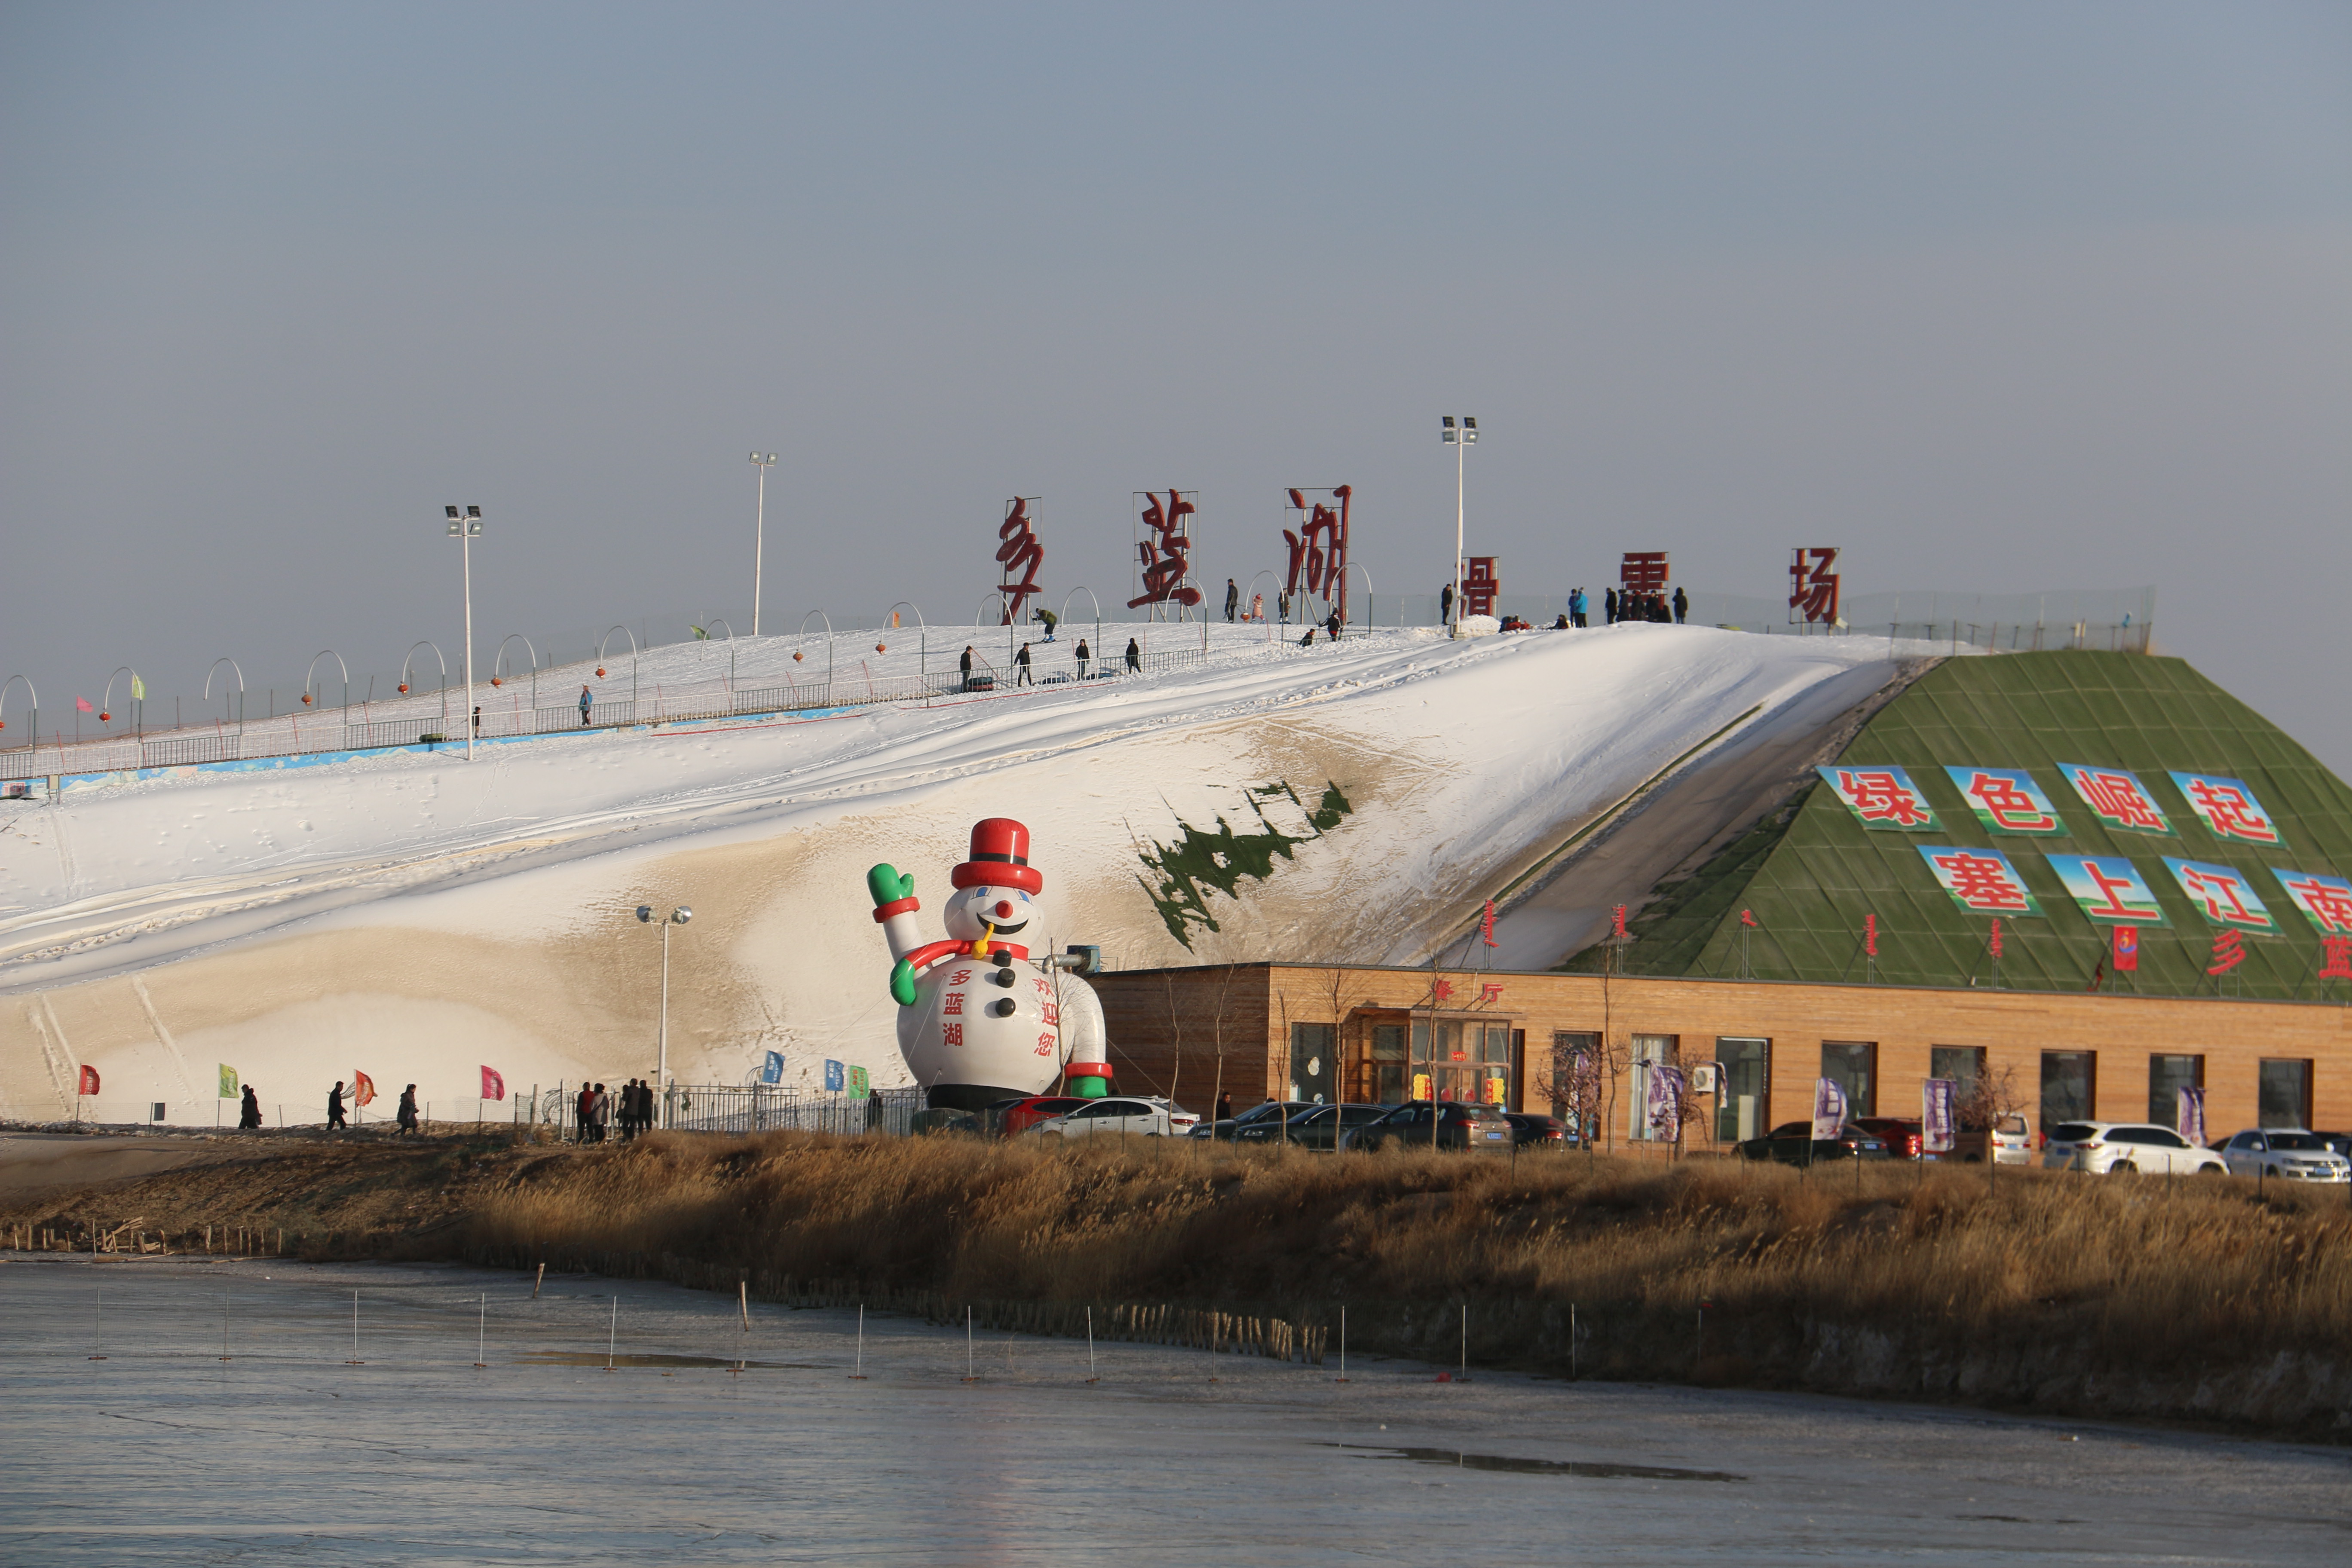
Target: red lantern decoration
column 600, row 673
column 879, row 649
column 104, row 717
column 305, row 700
column 796, row 658
column 498, row 680
column 404, row 689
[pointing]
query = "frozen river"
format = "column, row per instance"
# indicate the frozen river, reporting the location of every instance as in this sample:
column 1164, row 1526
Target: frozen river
column 165, row 1452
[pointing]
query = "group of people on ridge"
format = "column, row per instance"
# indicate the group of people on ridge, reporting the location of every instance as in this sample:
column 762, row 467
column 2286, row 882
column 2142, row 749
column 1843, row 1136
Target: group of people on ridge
column 633, row 1109
column 1021, row 666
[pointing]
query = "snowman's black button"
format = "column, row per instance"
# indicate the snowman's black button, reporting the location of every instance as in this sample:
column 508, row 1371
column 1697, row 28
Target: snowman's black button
column 1003, row 977
column 1001, row 955
column 1002, row 1007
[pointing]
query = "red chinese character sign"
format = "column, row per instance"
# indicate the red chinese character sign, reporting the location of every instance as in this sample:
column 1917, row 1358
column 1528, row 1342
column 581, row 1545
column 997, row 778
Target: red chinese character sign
column 1163, row 549
column 2224, row 895
column 2007, row 800
column 1982, row 881
column 2326, row 902
column 1813, row 588
column 2336, row 952
column 1480, row 587
column 2227, row 809
column 2108, row 889
column 2117, row 798
column 1319, row 546
column 1017, row 550
column 1882, row 797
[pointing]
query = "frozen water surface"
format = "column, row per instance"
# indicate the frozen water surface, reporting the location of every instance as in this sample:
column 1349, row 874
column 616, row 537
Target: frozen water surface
column 162, row 1452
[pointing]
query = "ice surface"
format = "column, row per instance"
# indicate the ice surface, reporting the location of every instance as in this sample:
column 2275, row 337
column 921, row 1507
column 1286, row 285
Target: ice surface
column 163, row 1453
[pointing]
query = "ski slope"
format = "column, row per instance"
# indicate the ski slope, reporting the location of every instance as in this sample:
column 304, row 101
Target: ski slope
column 417, row 916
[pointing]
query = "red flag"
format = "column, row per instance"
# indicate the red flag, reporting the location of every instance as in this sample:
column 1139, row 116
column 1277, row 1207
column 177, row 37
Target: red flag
column 493, row 1086
column 363, row 1088
column 1748, row 917
column 89, row 1078
column 1617, row 920
column 2126, row 948
column 1870, row 935
column 1486, row 926
column 83, row 704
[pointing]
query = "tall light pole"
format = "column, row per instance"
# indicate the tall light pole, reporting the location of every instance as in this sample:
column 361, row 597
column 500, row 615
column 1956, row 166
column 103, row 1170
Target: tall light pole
column 467, row 526
column 1460, row 440
column 678, row 917
column 758, row 532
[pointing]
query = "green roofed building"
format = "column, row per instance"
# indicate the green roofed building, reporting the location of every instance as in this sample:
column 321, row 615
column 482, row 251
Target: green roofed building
column 2091, row 803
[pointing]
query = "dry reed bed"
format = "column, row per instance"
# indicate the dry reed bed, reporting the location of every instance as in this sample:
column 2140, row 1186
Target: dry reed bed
column 2130, row 1294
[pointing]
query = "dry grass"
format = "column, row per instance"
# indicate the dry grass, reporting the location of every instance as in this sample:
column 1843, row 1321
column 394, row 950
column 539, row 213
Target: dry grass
column 2127, row 1295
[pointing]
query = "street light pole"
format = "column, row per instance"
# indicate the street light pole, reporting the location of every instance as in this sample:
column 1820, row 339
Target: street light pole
column 678, row 917
column 465, row 528
column 1460, row 441
column 758, row 532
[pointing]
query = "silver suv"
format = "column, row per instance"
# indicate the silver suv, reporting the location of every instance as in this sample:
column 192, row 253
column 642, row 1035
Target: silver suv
column 2288, row 1153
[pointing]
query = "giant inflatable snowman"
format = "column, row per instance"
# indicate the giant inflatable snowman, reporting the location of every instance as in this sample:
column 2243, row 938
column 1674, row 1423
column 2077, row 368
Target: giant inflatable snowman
column 979, row 1019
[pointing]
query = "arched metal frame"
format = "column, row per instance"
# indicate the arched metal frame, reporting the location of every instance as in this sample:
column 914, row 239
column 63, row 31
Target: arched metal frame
column 106, row 701
column 225, row 659
column 922, row 643
column 1097, row 648
column 36, row 705
column 410, row 656
column 1276, row 578
column 722, row 621
column 498, row 665
column 327, row 653
column 634, row 654
column 1370, row 603
column 800, row 630
column 1004, row 613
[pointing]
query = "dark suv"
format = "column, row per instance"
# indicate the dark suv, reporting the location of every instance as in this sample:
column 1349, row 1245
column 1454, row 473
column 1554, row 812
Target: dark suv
column 1456, row 1125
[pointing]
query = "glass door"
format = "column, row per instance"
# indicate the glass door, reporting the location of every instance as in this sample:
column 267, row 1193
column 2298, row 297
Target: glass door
column 1649, row 1052
column 1741, row 1101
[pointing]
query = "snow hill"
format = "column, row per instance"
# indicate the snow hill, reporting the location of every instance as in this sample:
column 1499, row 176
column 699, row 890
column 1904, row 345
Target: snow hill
column 417, row 916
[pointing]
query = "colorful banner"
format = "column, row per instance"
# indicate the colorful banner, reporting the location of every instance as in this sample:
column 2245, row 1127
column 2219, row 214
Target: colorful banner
column 2326, row 902
column 833, row 1078
column 2190, row 1114
column 1664, row 1111
column 2116, row 799
column 2227, row 809
column 773, row 1070
column 1882, row 797
column 494, row 1086
column 2127, row 950
column 2224, row 895
column 227, row 1082
column 362, row 1089
column 2109, row 889
column 2007, row 800
column 1828, row 1108
column 1982, row 881
column 1939, row 1104
column 858, row 1087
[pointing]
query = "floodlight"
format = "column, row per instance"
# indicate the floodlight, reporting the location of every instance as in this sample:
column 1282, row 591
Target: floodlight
column 477, row 512
column 681, row 914
column 453, row 511
column 645, row 913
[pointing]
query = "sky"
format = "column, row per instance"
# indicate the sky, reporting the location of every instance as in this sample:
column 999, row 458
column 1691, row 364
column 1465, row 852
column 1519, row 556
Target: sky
column 1994, row 298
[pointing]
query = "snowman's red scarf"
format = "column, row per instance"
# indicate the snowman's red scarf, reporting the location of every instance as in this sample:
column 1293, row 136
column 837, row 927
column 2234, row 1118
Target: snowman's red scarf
column 932, row 952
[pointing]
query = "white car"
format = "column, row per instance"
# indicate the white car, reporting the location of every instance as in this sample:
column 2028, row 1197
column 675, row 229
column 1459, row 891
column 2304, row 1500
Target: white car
column 2105, row 1148
column 1121, row 1115
column 2288, row 1153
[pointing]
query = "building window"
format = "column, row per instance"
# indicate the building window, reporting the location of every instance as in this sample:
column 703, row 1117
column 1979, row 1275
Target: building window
column 1389, row 1077
column 1852, row 1066
column 1965, row 1066
column 1742, row 1101
column 2167, row 1076
column 1575, row 1060
column 2283, row 1097
column 1649, row 1052
column 1312, row 1069
column 2070, row 1086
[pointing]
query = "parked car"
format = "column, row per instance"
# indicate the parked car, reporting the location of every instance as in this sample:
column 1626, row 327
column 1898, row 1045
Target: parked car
column 1313, row 1127
column 2119, row 1148
column 2288, row 1153
column 2008, row 1137
column 1014, row 1117
column 1532, row 1130
column 1793, row 1144
column 1120, row 1116
column 2340, row 1143
column 1904, row 1139
column 1457, row 1125
column 1278, row 1110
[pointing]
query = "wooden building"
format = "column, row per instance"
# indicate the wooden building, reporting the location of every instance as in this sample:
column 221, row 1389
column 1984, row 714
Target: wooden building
column 1305, row 1031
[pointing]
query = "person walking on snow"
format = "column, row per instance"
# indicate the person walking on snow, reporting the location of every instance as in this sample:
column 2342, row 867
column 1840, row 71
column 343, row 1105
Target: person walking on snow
column 1232, row 598
column 249, row 1120
column 587, row 702
column 1049, row 620
column 964, row 663
column 407, row 1118
column 1084, row 656
column 1331, row 627
column 1022, row 660
column 1134, row 657
column 335, row 1108
column 1682, row 606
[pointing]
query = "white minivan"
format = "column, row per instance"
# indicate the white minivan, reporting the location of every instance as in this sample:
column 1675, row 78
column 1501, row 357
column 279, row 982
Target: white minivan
column 2122, row 1147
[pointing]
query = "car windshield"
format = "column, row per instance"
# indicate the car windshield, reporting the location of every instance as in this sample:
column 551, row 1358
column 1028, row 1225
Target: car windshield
column 1259, row 1113
column 2073, row 1132
column 2298, row 1140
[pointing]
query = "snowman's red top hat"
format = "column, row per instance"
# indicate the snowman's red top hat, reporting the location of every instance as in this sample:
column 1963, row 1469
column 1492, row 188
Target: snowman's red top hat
column 1000, row 857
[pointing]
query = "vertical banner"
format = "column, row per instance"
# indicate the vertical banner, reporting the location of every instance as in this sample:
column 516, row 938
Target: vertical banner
column 859, row 1086
column 227, row 1082
column 1664, row 1111
column 1828, row 1108
column 494, row 1084
column 1940, row 1101
column 773, row 1070
column 2126, row 948
column 362, row 1089
column 2192, row 1115
column 834, row 1079
column 88, row 1080
column 1421, row 1087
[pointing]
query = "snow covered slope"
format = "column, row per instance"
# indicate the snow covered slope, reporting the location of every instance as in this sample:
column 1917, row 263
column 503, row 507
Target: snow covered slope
column 417, row 916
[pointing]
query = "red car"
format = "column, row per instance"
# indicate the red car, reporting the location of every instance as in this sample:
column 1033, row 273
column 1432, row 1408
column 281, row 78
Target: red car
column 1012, row 1118
column 1904, row 1139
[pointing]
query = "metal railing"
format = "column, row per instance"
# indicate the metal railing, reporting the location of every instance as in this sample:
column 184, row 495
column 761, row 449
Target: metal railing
column 735, row 1108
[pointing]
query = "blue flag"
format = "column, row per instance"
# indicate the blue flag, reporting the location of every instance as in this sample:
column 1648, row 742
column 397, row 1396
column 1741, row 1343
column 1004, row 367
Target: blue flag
column 772, row 1071
column 834, row 1077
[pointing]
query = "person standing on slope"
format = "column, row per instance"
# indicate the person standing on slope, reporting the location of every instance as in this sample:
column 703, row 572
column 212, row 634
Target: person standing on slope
column 587, row 702
column 1682, row 606
column 1576, row 603
column 1332, row 625
column 407, row 1117
column 248, row 1119
column 964, row 663
column 335, row 1108
column 1020, row 661
column 1084, row 656
column 1134, row 657
column 1445, row 604
column 1232, row 598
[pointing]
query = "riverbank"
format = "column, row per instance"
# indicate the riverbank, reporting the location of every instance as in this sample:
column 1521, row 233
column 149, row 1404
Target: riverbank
column 2200, row 1300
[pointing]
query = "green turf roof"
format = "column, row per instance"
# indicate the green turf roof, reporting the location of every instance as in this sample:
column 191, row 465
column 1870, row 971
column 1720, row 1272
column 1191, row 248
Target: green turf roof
column 1811, row 872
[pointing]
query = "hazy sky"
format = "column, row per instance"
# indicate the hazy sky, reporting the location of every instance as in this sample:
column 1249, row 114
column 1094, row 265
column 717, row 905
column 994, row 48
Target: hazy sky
column 1997, row 297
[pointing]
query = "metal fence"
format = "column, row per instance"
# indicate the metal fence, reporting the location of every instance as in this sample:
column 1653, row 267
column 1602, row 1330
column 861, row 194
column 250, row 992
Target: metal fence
column 737, row 1109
